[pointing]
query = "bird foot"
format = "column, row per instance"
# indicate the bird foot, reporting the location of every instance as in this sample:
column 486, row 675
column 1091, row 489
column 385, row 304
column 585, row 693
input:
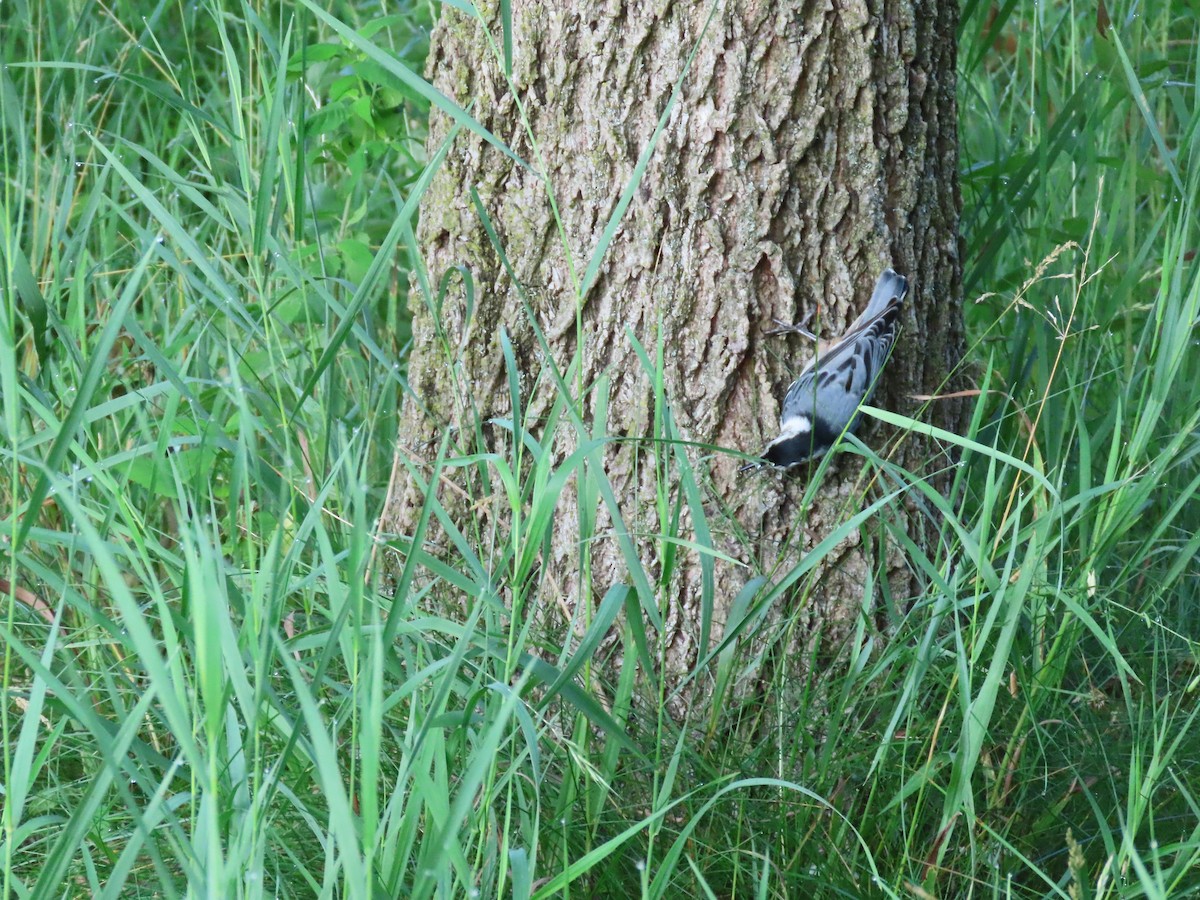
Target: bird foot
column 800, row 327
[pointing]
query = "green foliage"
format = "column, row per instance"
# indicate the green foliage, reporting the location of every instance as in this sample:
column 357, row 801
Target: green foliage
column 206, row 242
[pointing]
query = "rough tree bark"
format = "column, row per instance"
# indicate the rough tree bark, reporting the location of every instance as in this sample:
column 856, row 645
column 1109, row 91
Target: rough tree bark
column 812, row 144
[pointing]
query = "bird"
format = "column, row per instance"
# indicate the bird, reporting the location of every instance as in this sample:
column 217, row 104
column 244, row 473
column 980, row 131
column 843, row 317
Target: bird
column 823, row 403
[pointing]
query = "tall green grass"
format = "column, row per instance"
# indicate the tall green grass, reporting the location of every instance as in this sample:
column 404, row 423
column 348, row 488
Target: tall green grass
column 208, row 218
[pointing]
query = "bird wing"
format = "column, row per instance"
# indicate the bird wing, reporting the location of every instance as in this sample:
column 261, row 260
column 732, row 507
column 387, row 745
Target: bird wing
column 871, row 329
column 800, row 398
column 842, row 377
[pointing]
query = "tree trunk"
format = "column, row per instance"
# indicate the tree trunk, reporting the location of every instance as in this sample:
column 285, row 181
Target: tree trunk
column 810, row 146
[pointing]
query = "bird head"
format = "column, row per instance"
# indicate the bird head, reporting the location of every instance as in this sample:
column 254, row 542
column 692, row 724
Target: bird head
column 796, row 444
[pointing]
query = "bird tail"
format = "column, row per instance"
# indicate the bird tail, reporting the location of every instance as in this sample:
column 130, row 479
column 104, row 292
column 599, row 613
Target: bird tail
column 890, row 286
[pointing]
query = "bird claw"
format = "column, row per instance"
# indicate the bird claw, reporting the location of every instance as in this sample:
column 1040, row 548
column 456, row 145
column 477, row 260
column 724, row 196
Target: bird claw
column 800, row 327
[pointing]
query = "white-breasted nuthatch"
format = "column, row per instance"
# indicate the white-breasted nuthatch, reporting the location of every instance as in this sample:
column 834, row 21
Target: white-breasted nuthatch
column 823, row 402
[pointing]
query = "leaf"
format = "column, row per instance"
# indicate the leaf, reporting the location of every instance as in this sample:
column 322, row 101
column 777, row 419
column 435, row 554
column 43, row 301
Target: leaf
column 422, row 87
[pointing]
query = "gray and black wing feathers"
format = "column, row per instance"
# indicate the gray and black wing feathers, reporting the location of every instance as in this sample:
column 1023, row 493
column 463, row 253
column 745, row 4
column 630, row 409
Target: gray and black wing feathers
column 846, row 375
